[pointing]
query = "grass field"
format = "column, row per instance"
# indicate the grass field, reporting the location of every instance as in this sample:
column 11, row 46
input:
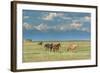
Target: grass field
column 32, row 52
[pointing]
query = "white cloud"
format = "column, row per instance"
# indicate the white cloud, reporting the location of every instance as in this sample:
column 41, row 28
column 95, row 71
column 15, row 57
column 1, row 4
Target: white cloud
column 85, row 29
column 62, row 27
column 52, row 15
column 66, row 27
column 76, row 25
column 26, row 17
column 85, row 19
column 88, row 18
column 41, row 27
column 79, row 27
column 72, row 26
column 45, row 27
column 27, row 26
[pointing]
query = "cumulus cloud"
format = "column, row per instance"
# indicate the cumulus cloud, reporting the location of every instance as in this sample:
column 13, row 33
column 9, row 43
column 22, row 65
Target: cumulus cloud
column 52, row 15
column 85, row 29
column 61, row 27
column 85, row 19
column 76, row 25
column 41, row 27
column 72, row 26
column 26, row 17
column 88, row 18
column 67, row 27
column 27, row 26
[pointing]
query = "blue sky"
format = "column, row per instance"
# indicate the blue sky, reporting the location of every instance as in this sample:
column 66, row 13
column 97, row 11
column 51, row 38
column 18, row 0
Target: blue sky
column 52, row 25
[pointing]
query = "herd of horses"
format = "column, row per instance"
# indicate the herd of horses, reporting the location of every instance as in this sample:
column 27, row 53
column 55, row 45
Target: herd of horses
column 54, row 47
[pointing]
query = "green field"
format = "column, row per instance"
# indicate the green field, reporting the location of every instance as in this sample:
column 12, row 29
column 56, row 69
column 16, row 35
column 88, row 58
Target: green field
column 32, row 52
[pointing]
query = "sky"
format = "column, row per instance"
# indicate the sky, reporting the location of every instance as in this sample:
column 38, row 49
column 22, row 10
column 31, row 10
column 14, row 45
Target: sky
column 56, row 25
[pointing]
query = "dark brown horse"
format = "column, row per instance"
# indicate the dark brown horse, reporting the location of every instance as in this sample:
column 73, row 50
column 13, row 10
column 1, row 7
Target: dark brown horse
column 48, row 46
column 52, row 47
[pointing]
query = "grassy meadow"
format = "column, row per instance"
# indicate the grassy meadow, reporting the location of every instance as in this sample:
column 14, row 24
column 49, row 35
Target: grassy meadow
column 32, row 52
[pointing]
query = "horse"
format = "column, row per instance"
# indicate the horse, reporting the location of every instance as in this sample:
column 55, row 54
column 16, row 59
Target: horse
column 48, row 46
column 56, row 47
column 53, row 47
column 72, row 47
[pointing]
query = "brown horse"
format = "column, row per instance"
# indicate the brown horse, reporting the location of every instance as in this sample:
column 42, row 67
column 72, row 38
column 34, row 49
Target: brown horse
column 56, row 47
column 52, row 47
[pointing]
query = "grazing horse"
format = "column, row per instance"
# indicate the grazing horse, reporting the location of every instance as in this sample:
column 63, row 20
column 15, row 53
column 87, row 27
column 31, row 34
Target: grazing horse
column 56, row 47
column 72, row 47
column 48, row 46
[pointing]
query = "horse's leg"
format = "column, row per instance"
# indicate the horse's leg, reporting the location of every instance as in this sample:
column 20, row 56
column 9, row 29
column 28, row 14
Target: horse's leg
column 50, row 49
column 54, row 49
